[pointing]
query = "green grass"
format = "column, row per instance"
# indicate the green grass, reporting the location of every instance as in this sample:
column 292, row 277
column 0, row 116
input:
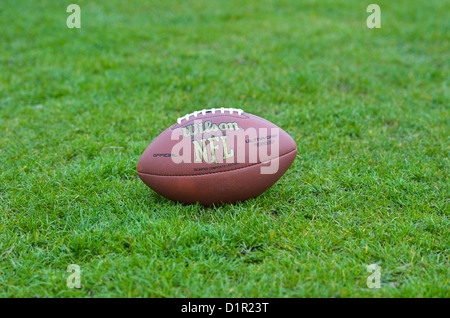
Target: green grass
column 368, row 108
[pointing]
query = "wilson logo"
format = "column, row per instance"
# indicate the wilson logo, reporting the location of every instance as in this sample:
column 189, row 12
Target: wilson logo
column 207, row 127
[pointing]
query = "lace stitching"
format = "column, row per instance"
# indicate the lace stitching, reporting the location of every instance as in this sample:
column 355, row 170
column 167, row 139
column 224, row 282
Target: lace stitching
column 212, row 110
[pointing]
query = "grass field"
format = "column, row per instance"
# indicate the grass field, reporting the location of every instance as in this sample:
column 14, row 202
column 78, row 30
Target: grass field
column 368, row 108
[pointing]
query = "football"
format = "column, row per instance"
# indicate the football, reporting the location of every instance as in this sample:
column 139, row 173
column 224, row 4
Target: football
column 216, row 156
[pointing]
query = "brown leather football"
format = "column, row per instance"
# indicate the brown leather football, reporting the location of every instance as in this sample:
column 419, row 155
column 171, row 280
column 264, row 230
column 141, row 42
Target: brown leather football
column 216, row 156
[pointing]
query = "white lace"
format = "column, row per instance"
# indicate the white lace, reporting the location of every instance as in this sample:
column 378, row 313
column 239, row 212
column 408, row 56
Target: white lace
column 212, row 110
